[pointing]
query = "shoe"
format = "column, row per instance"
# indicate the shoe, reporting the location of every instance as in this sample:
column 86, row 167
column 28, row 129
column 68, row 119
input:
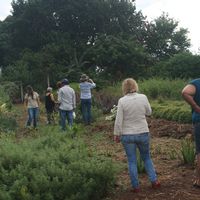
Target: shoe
column 135, row 190
column 155, row 184
column 196, row 184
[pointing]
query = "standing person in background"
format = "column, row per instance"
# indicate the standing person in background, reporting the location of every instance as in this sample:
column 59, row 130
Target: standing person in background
column 132, row 129
column 50, row 106
column 191, row 94
column 67, row 101
column 32, row 102
column 59, row 85
column 86, row 85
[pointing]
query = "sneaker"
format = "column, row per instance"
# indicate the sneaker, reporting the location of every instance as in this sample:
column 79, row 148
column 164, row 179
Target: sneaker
column 155, row 184
column 135, row 190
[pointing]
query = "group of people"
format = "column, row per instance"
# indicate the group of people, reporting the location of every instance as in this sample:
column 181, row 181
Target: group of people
column 131, row 128
column 66, row 103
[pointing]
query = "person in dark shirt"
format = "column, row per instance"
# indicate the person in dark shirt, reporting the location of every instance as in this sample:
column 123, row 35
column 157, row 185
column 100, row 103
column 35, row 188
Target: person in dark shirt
column 50, row 106
column 191, row 94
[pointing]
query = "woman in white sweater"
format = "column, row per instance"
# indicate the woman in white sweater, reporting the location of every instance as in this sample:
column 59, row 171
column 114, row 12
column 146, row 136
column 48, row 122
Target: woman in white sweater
column 132, row 130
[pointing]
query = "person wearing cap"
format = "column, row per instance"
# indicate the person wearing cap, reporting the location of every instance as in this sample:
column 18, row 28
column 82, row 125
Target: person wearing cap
column 67, row 101
column 86, row 85
column 50, row 106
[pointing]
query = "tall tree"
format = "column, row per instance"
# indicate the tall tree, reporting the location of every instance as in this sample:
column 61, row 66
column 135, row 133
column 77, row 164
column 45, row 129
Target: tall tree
column 163, row 38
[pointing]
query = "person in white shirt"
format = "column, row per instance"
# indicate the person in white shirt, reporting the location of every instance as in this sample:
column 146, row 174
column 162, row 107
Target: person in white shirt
column 132, row 129
column 67, row 101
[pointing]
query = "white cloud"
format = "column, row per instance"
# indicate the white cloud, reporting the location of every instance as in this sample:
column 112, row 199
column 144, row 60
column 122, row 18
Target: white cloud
column 5, row 8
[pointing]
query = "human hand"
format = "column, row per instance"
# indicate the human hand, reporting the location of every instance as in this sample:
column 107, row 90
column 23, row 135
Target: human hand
column 196, row 108
column 116, row 138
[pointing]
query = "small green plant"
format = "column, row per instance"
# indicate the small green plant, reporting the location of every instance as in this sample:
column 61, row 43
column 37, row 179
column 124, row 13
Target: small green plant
column 188, row 151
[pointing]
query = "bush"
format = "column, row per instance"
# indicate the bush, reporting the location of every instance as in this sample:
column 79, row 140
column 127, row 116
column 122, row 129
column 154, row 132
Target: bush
column 177, row 111
column 162, row 88
column 7, row 122
column 52, row 167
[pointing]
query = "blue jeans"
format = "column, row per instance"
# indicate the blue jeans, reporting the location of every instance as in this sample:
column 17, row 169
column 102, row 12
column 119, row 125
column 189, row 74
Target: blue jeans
column 66, row 114
column 141, row 141
column 32, row 116
column 197, row 137
column 86, row 110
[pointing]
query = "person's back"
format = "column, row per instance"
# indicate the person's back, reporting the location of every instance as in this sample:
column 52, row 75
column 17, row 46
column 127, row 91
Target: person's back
column 66, row 98
column 49, row 103
column 85, row 88
column 134, row 108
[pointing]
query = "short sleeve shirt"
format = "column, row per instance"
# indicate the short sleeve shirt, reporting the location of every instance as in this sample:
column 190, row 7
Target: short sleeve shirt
column 32, row 102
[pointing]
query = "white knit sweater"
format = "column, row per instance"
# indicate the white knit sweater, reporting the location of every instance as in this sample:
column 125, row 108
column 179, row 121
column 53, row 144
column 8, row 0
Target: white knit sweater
column 131, row 114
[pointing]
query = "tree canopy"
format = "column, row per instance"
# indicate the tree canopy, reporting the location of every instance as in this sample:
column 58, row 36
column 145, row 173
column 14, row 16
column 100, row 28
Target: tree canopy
column 65, row 38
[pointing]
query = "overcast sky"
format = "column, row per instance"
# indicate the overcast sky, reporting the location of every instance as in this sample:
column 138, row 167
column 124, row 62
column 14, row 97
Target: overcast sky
column 186, row 12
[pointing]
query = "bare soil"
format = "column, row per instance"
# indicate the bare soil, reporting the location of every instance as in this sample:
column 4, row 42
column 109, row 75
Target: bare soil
column 175, row 177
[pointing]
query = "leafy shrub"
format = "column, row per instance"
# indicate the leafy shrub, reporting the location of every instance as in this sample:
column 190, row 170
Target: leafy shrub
column 182, row 65
column 7, row 122
column 188, row 151
column 105, row 100
column 172, row 110
column 162, row 88
column 53, row 167
column 12, row 90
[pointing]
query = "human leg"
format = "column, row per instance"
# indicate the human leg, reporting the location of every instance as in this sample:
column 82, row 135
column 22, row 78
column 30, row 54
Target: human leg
column 30, row 117
column 143, row 145
column 88, row 107
column 197, row 146
column 48, row 117
column 130, row 149
column 63, row 115
column 70, row 118
column 35, row 116
column 84, row 110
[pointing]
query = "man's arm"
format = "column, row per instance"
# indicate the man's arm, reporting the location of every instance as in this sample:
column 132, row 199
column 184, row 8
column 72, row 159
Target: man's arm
column 188, row 93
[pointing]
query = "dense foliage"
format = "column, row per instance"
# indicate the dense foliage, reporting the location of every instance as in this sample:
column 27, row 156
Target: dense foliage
column 49, row 40
column 52, row 167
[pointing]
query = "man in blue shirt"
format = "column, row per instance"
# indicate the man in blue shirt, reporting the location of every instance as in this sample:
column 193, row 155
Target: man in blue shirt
column 191, row 94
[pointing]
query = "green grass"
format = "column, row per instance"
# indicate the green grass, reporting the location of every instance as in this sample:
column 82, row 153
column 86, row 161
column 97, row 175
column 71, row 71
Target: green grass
column 53, row 165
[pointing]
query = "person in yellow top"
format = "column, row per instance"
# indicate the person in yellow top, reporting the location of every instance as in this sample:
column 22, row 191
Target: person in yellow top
column 31, row 102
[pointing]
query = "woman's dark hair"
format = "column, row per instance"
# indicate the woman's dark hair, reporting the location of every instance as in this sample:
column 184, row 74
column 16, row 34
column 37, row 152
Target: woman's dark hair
column 29, row 90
